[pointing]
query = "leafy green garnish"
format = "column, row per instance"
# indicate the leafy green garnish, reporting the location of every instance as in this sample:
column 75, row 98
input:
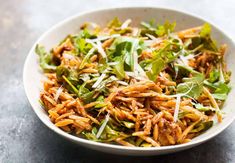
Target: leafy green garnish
column 160, row 59
column 203, row 126
column 206, row 30
column 157, row 30
column 114, row 23
column 202, row 108
column 165, row 29
column 45, row 59
column 80, row 43
column 122, row 52
column 85, row 94
column 155, row 68
column 214, row 76
column 75, row 90
column 192, row 86
column 128, row 124
column 206, row 40
column 220, row 90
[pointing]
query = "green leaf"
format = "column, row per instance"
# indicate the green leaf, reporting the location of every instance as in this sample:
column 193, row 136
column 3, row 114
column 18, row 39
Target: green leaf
column 214, row 76
column 192, row 86
column 220, row 96
column 155, row 68
column 206, row 30
column 102, row 103
column 91, row 135
column 80, row 43
column 109, row 134
column 220, row 90
column 165, row 29
column 159, row 30
column 128, row 124
column 206, row 40
column 86, row 59
column 124, row 47
column 114, row 23
column 45, row 59
column 119, row 67
column 70, row 84
column 202, row 108
column 85, row 94
column 146, row 145
column 203, row 126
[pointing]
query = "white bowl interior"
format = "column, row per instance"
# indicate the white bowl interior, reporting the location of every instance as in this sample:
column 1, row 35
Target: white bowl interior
column 33, row 76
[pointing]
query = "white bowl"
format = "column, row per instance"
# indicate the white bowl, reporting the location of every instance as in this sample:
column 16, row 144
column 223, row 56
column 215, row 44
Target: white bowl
column 33, row 76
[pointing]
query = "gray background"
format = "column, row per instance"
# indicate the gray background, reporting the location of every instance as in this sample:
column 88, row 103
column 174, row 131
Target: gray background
column 23, row 137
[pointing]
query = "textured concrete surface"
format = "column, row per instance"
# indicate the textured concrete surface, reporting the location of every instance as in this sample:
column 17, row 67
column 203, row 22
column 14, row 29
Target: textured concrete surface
column 23, row 137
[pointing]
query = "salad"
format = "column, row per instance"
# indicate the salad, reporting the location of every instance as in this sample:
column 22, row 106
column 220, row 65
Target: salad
column 146, row 86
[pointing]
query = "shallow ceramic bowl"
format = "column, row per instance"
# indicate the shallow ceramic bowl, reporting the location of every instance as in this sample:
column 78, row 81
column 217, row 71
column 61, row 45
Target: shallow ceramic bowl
column 33, row 76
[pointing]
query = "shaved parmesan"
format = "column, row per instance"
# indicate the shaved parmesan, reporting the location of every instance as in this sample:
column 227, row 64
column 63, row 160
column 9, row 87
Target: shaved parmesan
column 122, row 82
column 151, row 37
column 68, row 56
column 221, row 77
column 94, row 25
column 185, row 59
column 101, row 129
column 102, row 38
column 98, row 46
column 148, row 42
column 98, row 81
column 112, row 63
column 126, row 23
column 100, row 49
column 135, row 32
column 58, row 92
column 177, row 107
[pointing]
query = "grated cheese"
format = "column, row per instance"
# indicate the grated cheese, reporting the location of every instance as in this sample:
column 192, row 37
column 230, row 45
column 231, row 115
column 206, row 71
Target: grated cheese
column 126, row 23
column 99, row 80
column 101, row 129
column 58, row 92
column 177, row 107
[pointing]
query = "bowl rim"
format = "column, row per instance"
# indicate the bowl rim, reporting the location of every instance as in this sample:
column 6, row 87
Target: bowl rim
column 113, row 146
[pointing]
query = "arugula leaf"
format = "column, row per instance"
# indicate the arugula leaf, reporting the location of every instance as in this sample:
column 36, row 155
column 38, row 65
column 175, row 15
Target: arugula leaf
column 124, row 46
column 207, row 42
column 114, row 23
column 160, row 59
column 155, row 68
column 165, row 29
column 45, row 59
column 70, row 84
column 206, row 30
column 85, row 94
column 109, row 134
column 80, row 43
column 118, row 69
column 220, row 90
column 203, row 126
column 91, row 135
column 192, row 86
column 202, row 108
column 122, row 51
column 214, row 76
column 159, row 30
column 71, row 74
column 128, row 124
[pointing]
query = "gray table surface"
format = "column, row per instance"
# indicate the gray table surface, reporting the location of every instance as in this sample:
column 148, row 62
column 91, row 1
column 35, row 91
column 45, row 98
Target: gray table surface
column 23, row 137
